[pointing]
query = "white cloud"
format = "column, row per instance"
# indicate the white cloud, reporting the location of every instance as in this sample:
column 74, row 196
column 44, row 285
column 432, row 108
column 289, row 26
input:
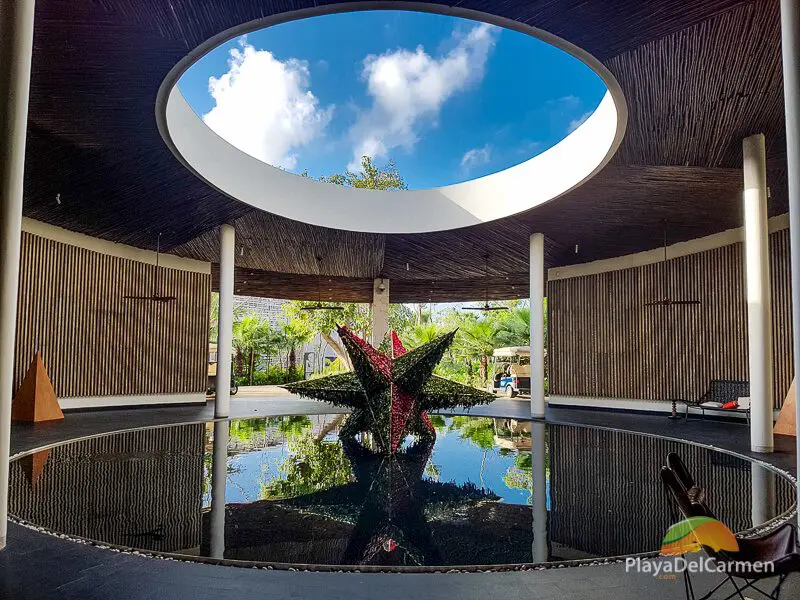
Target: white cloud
column 570, row 102
column 409, row 88
column 575, row 123
column 265, row 107
column 476, row 157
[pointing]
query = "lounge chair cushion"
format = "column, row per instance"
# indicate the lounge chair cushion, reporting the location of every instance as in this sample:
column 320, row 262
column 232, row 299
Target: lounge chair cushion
column 711, row 404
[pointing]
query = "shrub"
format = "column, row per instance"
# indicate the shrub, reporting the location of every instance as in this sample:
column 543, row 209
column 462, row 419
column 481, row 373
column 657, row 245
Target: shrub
column 273, row 375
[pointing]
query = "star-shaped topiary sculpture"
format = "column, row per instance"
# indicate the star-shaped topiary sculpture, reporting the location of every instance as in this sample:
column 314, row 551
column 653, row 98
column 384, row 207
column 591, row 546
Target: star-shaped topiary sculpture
column 390, row 392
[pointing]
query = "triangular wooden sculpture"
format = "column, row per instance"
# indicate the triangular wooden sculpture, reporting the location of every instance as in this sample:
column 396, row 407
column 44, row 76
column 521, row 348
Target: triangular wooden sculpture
column 787, row 420
column 35, row 400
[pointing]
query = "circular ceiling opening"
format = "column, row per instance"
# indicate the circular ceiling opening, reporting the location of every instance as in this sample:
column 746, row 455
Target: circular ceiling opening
column 467, row 118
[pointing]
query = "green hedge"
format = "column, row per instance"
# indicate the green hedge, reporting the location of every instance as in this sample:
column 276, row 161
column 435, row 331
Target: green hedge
column 274, row 375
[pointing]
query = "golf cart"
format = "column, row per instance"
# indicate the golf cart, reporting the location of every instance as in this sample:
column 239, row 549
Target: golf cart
column 511, row 371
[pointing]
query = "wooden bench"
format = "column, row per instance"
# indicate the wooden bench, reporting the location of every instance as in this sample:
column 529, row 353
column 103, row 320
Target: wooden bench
column 722, row 391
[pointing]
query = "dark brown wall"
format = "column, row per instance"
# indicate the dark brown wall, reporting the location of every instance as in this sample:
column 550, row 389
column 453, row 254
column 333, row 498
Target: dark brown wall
column 96, row 343
column 604, row 342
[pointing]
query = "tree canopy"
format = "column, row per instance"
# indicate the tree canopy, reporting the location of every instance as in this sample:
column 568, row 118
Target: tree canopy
column 370, row 177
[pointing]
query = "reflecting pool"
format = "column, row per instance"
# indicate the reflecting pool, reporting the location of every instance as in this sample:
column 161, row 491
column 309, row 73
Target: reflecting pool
column 287, row 490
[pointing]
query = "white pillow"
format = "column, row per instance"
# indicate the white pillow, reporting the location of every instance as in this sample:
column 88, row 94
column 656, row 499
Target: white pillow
column 712, row 404
column 744, row 402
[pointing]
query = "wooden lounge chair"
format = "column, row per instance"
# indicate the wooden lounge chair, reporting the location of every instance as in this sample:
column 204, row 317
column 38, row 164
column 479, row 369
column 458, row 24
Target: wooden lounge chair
column 721, row 391
column 778, row 547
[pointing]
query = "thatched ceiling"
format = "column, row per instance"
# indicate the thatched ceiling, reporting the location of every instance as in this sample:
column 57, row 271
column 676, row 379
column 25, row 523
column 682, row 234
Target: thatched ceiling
column 697, row 76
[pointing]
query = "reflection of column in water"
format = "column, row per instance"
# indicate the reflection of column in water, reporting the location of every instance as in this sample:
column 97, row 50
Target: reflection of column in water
column 219, row 471
column 762, row 485
column 539, row 499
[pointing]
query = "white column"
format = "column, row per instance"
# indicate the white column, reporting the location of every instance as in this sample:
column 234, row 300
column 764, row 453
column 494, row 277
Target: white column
column 759, row 304
column 219, row 479
column 16, row 48
column 380, row 310
column 227, row 250
column 537, row 325
column 762, row 489
column 539, row 495
column 790, row 30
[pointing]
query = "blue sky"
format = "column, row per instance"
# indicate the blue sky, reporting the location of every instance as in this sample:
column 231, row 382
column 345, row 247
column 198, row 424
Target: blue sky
column 447, row 99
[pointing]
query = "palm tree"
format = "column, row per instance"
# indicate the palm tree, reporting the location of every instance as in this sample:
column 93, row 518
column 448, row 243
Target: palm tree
column 253, row 337
column 515, row 327
column 478, row 338
column 293, row 334
column 422, row 334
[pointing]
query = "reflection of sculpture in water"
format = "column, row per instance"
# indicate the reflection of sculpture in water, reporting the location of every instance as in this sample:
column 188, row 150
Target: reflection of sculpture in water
column 390, row 504
column 390, row 390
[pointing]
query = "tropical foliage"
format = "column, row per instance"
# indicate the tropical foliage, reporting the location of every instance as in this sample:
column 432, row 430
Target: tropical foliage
column 312, row 466
column 252, row 337
column 466, row 361
column 370, row 177
column 478, row 335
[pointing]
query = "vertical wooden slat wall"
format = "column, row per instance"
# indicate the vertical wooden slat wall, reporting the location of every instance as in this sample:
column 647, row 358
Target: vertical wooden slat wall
column 605, row 343
column 96, row 343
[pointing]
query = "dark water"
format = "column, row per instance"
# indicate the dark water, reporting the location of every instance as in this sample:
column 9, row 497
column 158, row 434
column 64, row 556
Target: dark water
column 294, row 493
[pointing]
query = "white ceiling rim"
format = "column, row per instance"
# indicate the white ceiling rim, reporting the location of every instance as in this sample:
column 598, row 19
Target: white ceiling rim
column 540, row 179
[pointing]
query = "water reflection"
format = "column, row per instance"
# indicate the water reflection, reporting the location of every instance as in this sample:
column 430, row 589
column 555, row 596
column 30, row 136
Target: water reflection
column 286, row 489
column 763, row 485
column 539, row 545
column 389, row 504
column 219, row 476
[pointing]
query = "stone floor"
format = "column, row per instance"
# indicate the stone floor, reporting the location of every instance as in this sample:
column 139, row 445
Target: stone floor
column 38, row 567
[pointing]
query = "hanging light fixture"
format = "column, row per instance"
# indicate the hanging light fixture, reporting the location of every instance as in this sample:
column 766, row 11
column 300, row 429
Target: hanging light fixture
column 665, row 299
column 156, row 296
column 319, row 305
column 486, row 306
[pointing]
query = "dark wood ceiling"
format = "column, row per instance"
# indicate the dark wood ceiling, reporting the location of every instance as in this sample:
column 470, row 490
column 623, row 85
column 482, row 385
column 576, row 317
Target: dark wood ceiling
column 698, row 77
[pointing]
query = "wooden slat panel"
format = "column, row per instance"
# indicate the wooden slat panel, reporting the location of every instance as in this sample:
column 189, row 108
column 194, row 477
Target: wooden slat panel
column 266, row 242
column 604, row 341
column 726, row 94
column 96, row 343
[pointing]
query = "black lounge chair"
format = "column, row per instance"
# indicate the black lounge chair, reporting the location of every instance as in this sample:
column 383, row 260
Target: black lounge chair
column 720, row 391
column 778, row 547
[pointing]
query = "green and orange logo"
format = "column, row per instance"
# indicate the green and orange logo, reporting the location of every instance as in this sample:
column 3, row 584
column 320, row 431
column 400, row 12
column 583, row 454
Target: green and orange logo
column 691, row 534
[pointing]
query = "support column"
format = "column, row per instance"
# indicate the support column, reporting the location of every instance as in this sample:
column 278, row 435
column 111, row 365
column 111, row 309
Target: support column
column 539, row 547
column 790, row 31
column 227, row 250
column 380, row 310
column 219, row 479
column 759, row 301
column 16, row 48
column 537, row 324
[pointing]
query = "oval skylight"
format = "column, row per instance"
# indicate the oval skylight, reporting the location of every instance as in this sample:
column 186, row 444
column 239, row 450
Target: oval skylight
column 481, row 121
column 445, row 99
